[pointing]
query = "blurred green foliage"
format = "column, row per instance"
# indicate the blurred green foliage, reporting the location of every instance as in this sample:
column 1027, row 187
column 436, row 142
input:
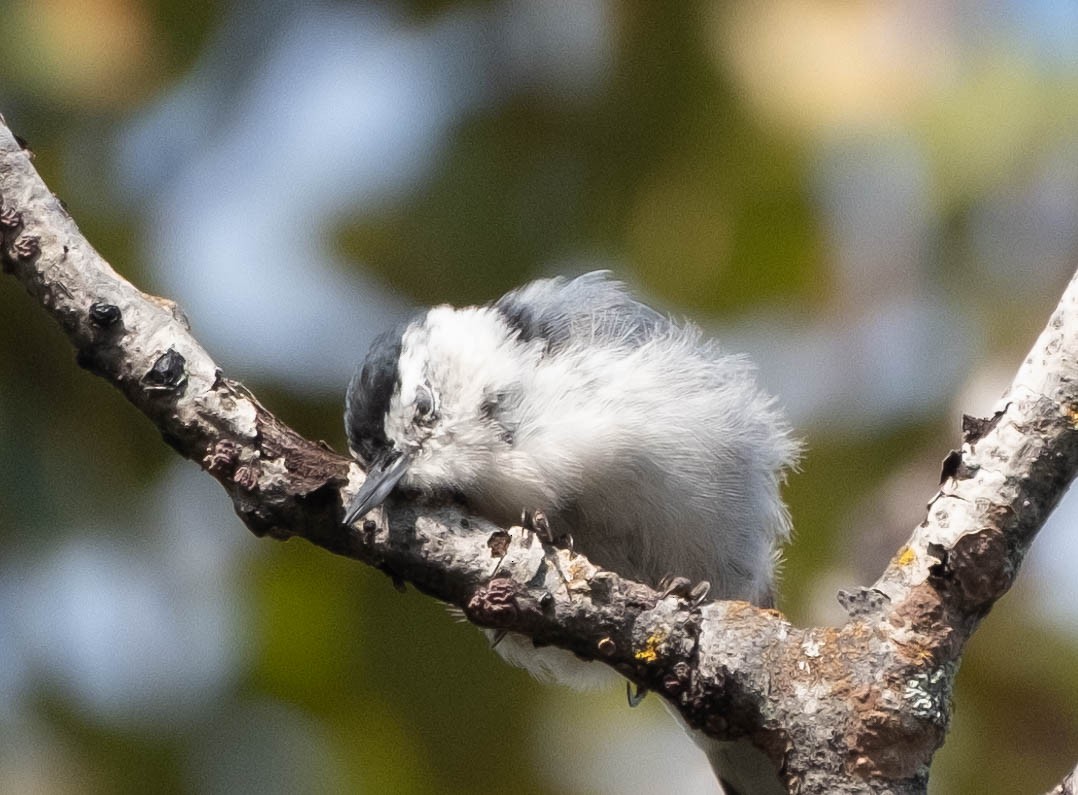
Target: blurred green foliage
column 664, row 170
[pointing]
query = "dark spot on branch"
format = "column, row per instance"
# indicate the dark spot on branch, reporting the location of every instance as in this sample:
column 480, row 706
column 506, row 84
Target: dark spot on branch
column 94, row 359
column 672, row 686
column 981, row 566
column 954, row 468
column 104, row 315
column 168, row 373
column 498, row 543
column 974, row 428
column 176, row 443
column 716, row 724
column 222, row 459
column 940, row 553
column 977, row 570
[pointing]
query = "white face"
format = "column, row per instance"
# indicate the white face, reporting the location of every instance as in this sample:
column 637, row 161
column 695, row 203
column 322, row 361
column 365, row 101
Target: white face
column 454, row 368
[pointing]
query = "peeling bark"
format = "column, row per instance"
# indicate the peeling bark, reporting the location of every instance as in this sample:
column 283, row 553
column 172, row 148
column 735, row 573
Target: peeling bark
column 859, row 708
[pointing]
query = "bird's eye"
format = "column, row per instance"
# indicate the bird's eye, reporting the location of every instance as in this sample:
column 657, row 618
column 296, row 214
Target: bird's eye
column 424, row 404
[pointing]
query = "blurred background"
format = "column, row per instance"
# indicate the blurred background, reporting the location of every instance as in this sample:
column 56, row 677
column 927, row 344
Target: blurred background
column 878, row 201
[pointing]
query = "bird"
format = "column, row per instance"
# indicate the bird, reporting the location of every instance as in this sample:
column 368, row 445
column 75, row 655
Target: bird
column 638, row 437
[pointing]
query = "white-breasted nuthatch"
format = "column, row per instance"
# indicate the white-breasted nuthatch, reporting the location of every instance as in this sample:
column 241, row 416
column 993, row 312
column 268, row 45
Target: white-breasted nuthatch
column 656, row 452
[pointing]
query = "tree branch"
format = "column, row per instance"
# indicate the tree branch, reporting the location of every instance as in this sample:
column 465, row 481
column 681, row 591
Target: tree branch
column 857, row 708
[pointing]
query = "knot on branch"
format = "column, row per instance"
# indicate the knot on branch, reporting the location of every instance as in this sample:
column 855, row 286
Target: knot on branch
column 977, row 570
column 169, row 372
column 104, row 315
column 496, row 604
column 678, row 680
column 222, row 460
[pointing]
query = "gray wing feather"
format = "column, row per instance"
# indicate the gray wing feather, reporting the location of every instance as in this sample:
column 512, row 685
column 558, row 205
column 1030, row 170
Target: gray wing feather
column 592, row 306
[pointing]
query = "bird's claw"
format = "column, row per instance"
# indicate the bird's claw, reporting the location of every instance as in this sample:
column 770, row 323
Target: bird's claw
column 537, row 523
column 699, row 593
column 635, row 694
column 683, row 588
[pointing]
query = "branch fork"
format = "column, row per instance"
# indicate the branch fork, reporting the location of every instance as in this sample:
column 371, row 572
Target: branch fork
column 857, row 708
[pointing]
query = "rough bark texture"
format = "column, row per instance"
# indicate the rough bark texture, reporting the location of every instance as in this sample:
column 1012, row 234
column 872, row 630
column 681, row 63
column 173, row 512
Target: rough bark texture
column 859, row 708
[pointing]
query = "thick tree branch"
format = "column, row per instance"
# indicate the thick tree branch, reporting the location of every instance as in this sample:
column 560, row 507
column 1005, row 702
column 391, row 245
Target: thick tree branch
column 857, row 708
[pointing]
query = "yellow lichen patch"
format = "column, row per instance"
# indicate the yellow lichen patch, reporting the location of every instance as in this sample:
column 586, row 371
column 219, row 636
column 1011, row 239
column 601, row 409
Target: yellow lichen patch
column 906, row 556
column 650, row 652
column 916, row 653
column 922, row 655
column 1072, row 415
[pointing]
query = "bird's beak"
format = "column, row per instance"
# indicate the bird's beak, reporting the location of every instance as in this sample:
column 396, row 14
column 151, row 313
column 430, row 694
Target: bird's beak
column 382, row 475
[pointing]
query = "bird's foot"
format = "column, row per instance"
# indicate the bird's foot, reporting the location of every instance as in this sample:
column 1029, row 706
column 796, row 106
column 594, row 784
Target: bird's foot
column 537, row 523
column 683, row 588
column 635, row 694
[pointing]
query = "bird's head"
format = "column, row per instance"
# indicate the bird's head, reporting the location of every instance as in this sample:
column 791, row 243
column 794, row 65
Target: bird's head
column 433, row 403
